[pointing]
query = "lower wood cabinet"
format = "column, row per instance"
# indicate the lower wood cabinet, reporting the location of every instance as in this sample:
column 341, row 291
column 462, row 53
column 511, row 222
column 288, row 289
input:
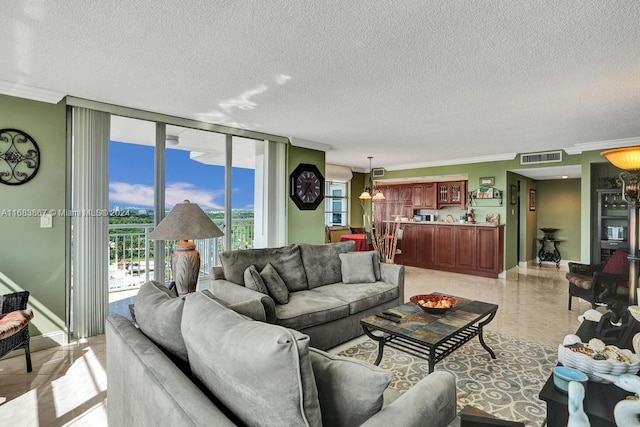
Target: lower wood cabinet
column 467, row 249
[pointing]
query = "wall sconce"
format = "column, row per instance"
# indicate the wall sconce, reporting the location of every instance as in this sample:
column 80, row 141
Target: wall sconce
column 629, row 160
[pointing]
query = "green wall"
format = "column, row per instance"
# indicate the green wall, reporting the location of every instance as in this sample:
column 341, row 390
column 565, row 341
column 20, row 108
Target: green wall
column 355, row 208
column 33, row 258
column 304, row 226
column 528, row 220
column 558, row 207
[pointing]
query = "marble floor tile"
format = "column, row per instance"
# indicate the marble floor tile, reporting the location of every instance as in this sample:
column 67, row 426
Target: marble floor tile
column 68, row 385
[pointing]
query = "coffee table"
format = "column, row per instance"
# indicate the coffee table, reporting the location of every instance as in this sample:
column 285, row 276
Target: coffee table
column 431, row 336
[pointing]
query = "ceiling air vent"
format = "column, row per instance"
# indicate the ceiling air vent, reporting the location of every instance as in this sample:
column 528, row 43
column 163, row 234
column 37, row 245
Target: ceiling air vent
column 545, row 157
column 377, row 172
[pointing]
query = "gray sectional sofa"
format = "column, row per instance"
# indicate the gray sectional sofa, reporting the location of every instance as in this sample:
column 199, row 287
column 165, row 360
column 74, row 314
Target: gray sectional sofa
column 330, row 288
column 193, row 361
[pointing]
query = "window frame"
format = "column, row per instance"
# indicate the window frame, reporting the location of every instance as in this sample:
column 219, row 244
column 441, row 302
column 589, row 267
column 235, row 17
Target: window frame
column 330, row 199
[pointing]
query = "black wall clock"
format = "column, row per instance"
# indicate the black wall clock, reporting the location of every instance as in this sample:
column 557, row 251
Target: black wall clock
column 19, row 157
column 306, row 186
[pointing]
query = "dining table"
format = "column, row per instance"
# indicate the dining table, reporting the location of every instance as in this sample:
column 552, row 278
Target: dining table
column 360, row 239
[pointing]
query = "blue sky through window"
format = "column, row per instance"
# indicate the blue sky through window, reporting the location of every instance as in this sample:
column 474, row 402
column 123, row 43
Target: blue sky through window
column 131, row 180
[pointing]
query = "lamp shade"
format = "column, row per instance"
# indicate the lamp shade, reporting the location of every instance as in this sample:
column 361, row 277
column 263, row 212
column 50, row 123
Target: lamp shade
column 186, row 221
column 625, row 158
column 365, row 195
column 378, row 197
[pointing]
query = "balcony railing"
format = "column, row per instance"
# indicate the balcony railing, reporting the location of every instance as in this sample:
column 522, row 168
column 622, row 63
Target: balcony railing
column 131, row 252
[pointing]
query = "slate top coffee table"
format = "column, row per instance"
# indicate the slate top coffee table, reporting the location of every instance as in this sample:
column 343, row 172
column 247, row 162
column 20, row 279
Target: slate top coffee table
column 431, row 336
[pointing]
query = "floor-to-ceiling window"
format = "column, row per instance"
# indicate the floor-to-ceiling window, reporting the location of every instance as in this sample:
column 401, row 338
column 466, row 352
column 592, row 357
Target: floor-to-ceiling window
column 193, row 165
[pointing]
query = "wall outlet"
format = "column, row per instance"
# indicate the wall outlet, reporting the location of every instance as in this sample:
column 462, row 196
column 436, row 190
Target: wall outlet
column 46, row 221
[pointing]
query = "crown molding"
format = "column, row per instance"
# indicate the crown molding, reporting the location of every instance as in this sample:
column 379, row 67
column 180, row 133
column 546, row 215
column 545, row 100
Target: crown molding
column 313, row 145
column 449, row 162
column 20, row 90
column 602, row 145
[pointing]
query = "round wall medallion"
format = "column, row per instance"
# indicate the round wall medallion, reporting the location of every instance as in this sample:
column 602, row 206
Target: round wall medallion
column 19, row 157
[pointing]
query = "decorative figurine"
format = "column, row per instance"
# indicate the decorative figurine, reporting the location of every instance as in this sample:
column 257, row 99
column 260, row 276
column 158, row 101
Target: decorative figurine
column 626, row 411
column 577, row 417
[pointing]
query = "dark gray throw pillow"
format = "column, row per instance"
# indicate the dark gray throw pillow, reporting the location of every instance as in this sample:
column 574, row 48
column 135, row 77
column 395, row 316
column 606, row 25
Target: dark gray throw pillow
column 357, row 267
column 277, row 289
column 350, row 391
column 159, row 316
column 253, row 280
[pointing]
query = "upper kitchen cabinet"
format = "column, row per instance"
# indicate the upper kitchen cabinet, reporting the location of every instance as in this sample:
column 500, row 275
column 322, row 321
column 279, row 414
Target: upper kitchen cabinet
column 452, row 194
column 424, row 196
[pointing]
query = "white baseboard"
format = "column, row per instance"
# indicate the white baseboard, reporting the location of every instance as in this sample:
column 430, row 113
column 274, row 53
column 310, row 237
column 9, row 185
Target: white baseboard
column 41, row 342
column 564, row 264
column 51, row 339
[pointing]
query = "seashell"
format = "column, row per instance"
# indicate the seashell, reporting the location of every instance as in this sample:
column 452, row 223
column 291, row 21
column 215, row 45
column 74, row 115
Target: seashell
column 597, row 345
column 571, row 340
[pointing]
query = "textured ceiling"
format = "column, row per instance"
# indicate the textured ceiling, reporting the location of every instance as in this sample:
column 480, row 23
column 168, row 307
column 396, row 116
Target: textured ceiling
column 408, row 82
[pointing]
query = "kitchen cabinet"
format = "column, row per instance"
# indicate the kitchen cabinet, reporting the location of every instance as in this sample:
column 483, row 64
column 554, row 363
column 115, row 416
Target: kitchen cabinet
column 426, row 257
column 409, row 244
column 466, row 247
column 452, row 194
column 424, row 196
column 490, row 256
column 460, row 248
column 445, row 246
column 398, row 202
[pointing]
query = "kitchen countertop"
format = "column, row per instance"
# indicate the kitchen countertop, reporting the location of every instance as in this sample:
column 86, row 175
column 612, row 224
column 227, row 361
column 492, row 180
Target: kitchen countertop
column 475, row 224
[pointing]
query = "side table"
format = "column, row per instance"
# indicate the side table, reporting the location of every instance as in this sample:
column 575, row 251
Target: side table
column 547, row 253
column 599, row 401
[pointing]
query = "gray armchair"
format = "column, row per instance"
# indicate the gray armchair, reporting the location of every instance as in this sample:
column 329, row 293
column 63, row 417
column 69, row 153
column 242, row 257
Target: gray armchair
column 14, row 324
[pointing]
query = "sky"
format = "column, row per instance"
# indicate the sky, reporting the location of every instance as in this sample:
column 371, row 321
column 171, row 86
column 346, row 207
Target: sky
column 131, row 180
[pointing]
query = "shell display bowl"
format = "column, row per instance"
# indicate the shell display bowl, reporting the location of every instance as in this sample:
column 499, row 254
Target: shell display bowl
column 592, row 367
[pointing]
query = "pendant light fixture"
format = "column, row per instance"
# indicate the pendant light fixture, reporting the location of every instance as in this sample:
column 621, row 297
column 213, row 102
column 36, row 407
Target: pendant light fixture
column 370, row 193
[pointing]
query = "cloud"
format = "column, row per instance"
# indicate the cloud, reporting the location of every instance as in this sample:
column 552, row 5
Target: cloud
column 142, row 195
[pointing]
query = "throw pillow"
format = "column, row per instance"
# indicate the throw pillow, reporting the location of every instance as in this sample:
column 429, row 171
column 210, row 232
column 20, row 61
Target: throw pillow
column 357, row 267
column 261, row 372
column 159, row 316
column 253, row 280
column 322, row 263
column 277, row 289
column 350, row 391
column 618, row 263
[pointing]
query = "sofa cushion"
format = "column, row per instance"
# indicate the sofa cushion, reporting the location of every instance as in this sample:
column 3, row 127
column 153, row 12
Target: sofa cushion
column 277, row 289
column 357, row 267
column 13, row 321
column 158, row 315
column 260, row 372
column 350, row 391
column 253, row 280
column 580, row 280
column 286, row 260
column 360, row 296
column 308, row 308
column 322, row 263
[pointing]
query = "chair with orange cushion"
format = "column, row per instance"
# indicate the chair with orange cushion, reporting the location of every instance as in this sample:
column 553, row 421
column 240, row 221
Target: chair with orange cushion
column 14, row 324
column 590, row 281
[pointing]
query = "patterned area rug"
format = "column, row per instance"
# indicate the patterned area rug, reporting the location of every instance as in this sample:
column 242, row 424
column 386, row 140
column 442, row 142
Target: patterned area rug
column 507, row 387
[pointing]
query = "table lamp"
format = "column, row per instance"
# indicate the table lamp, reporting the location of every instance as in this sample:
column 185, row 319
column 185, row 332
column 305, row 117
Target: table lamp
column 185, row 222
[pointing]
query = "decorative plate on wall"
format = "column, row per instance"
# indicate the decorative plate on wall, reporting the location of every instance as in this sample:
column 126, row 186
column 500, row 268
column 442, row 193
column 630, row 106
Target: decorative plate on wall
column 19, row 157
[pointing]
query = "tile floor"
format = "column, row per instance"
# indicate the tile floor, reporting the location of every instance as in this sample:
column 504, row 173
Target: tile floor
column 68, row 384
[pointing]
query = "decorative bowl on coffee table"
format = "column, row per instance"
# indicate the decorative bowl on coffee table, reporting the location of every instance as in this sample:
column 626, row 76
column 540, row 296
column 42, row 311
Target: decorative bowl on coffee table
column 434, row 303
